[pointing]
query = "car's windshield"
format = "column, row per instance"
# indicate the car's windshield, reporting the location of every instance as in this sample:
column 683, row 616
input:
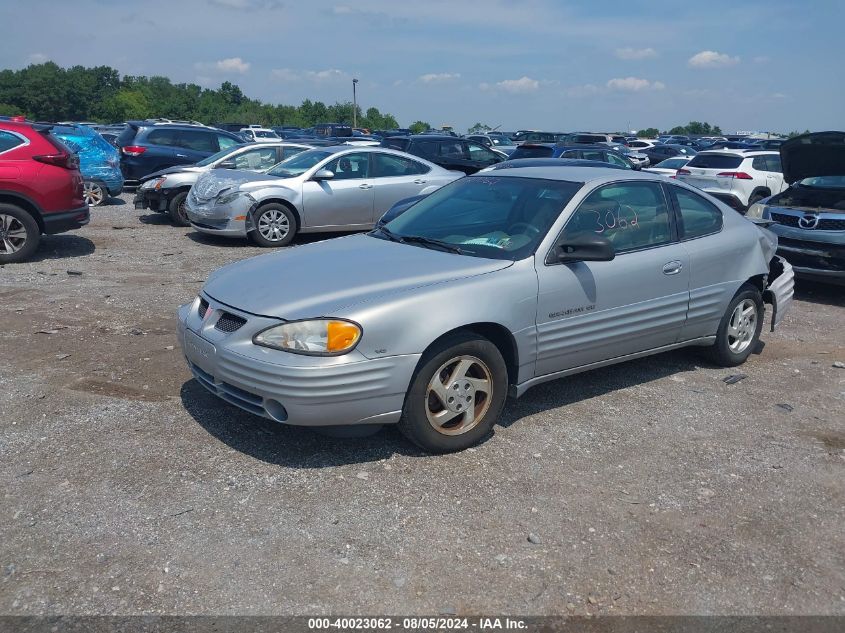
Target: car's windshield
column 824, row 182
column 487, row 216
column 299, row 164
column 215, row 157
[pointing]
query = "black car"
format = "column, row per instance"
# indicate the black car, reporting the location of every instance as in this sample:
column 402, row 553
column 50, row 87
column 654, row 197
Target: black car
column 662, row 151
column 152, row 145
column 600, row 153
column 449, row 152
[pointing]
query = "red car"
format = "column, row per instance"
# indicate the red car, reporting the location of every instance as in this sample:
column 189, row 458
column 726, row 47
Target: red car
column 40, row 189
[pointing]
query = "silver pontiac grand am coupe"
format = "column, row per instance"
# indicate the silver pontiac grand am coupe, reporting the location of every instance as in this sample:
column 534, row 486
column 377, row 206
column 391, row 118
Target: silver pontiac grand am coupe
column 487, row 287
column 337, row 188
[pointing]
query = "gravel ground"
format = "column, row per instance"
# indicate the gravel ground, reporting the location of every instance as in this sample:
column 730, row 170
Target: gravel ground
column 647, row 488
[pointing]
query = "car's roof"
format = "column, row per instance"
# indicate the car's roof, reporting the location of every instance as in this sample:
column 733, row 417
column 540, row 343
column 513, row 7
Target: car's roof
column 572, row 174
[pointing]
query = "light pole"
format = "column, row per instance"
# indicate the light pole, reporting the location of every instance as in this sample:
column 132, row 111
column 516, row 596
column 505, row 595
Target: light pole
column 354, row 104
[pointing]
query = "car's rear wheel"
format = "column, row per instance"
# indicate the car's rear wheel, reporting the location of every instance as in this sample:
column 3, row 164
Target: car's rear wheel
column 739, row 331
column 275, row 225
column 177, row 209
column 94, row 193
column 19, row 234
column 456, row 395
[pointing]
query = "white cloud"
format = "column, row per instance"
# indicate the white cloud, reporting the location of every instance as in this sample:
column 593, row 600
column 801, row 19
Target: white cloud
column 224, row 66
column 635, row 53
column 37, row 58
column 248, row 5
column 712, row 59
column 634, row 84
column 517, row 86
column 431, row 78
column 319, row 76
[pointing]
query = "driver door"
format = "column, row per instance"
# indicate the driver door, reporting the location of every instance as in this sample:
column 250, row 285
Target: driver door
column 588, row 312
column 344, row 201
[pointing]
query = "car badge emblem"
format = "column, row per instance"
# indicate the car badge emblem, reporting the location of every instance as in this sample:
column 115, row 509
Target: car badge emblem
column 808, row 221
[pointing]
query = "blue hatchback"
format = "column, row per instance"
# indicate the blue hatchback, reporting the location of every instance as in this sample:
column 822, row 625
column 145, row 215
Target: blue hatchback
column 99, row 162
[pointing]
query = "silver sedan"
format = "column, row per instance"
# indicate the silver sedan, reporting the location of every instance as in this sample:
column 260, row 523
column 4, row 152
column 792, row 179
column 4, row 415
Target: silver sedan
column 489, row 286
column 339, row 188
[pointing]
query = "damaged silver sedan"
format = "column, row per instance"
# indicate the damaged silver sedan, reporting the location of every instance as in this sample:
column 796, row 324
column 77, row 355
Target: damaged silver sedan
column 489, row 286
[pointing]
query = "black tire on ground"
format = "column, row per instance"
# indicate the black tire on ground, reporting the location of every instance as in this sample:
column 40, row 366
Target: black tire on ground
column 19, row 234
column 274, row 225
column 733, row 345
column 176, row 209
column 442, row 363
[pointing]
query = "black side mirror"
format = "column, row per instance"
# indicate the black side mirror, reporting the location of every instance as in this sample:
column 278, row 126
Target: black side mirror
column 583, row 247
column 227, row 164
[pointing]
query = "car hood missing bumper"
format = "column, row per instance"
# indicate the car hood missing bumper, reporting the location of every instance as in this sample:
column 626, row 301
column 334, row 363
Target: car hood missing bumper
column 320, row 279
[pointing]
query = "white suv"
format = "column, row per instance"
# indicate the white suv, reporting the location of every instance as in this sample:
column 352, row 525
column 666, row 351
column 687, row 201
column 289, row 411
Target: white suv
column 738, row 178
column 259, row 135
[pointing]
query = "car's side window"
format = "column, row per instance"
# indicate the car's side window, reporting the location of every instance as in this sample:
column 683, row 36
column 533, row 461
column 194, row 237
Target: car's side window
column 453, row 149
column 616, row 160
column 425, row 148
column 632, row 215
column 482, row 154
column 287, row 152
column 350, row 166
column 699, row 217
column 162, row 137
column 773, row 163
column 573, row 153
column 225, row 142
column 594, row 154
column 255, row 159
column 387, row 165
column 759, row 163
column 197, row 140
column 9, row 141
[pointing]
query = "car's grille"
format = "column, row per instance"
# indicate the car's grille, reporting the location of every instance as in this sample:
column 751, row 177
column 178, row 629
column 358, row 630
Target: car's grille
column 202, row 308
column 786, row 220
column 229, row 323
column 824, row 224
column 243, row 399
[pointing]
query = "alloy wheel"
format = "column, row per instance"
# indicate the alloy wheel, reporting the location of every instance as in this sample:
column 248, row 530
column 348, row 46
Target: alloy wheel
column 459, row 395
column 742, row 326
column 93, row 194
column 273, row 225
column 12, row 234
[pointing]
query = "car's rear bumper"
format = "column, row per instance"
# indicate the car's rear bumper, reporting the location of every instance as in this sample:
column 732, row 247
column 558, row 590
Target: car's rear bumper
column 66, row 220
column 323, row 392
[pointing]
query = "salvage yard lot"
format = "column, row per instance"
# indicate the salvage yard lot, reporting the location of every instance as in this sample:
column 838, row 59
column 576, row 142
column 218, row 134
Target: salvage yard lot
column 651, row 487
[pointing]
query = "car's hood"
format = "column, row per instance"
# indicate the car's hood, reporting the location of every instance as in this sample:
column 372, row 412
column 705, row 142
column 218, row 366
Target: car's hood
column 213, row 182
column 175, row 170
column 318, row 279
column 815, row 154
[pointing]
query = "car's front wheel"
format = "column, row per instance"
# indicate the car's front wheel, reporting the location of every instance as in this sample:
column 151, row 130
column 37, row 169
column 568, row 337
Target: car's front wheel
column 19, row 234
column 739, row 330
column 177, row 209
column 275, row 225
column 456, row 395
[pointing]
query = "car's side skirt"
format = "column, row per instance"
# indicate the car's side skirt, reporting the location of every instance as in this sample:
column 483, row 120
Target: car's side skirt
column 517, row 391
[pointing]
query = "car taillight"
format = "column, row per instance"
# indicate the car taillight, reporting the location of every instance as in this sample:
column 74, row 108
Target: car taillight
column 133, row 150
column 63, row 160
column 739, row 175
column 683, row 172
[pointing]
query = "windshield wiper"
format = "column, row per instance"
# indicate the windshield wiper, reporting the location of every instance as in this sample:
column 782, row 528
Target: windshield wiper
column 389, row 234
column 429, row 241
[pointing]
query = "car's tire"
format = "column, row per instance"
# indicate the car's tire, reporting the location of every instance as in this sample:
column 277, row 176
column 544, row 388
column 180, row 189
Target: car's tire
column 739, row 331
column 177, row 211
column 756, row 197
column 19, row 234
column 456, row 395
column 274, row 225
column 94, row 193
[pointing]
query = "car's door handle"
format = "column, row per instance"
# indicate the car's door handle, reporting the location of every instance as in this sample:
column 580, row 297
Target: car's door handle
column 672, row 268
column 420, row 181
column 181, row 156
column 365, row 186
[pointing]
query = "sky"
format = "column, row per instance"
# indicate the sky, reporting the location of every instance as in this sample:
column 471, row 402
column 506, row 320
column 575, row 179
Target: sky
column 554, row 65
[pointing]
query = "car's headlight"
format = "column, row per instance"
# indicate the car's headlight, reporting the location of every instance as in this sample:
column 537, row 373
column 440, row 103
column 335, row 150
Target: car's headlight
column 226, row 198
column 316, row 337
column 756, row 210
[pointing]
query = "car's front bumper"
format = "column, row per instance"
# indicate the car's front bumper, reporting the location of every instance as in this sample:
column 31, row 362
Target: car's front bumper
column 817, row 255
column 153, row 199
column 291, row 388
column 229, row 220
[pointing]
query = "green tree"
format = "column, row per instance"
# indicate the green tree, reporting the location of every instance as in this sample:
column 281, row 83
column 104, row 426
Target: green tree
column 649, row 132
column 419, row 126
column 479, row 128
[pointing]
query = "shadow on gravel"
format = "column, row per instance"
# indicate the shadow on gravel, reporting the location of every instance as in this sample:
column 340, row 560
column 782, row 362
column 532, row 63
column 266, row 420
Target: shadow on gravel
column 814, row 292
column 155, row 219
column 275, row 443
column 62, row 246
column 600, row 382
